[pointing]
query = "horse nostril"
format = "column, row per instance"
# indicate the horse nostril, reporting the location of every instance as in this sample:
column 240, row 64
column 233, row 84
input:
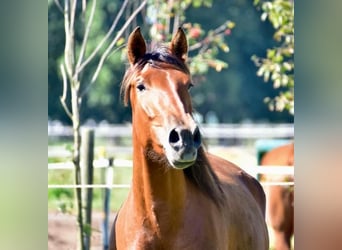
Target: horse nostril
column 174, row 136
column 197, row 138
column 184, row 139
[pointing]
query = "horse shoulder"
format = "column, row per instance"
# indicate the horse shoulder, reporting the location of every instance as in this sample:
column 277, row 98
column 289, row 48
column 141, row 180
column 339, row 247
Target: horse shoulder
column 255, row 188
column 122, row 225
column 244, row 206
column 229, row 173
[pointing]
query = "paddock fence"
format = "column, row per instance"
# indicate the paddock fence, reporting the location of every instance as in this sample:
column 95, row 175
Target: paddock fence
column 261, row 136
column 121, row 163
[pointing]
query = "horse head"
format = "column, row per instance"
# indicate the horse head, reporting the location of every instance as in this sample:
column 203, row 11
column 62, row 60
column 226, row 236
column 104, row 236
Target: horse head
column 157, row 85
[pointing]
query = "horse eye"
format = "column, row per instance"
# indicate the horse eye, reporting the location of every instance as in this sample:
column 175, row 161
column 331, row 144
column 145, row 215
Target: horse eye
column 190, row 85
column 141, row 87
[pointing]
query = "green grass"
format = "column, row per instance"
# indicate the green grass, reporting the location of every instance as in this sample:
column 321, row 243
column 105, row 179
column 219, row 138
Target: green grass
column 63, row 199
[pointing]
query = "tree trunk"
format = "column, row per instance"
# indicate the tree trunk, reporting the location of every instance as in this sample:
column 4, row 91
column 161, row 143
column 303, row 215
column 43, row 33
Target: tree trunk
column 87, row 172
column 76, row 156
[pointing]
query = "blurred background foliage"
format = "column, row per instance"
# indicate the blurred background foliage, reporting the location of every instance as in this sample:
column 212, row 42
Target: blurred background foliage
column 278, row 65
column 224, row 36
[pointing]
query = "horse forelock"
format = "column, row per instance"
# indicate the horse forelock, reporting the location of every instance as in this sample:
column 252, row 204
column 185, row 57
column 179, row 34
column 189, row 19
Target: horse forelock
column 160, row 57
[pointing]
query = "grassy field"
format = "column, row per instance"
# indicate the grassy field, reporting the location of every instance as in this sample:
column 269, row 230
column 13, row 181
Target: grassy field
column 63, row 199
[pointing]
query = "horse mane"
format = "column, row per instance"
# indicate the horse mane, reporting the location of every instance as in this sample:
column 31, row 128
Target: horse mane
column 201, row 173
column 204, row 178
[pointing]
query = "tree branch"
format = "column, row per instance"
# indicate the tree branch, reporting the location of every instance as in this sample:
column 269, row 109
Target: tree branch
column 85, row 37
column 89, row 85
column 64, row 95
column 118, row 35
column 59, row 6
column 84, row 5
column 73, row 14
column 99, row 46
column 219, row 30
column 69, row 37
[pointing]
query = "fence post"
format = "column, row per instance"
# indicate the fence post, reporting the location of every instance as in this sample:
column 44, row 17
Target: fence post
column 108, row 178
column 87, row 173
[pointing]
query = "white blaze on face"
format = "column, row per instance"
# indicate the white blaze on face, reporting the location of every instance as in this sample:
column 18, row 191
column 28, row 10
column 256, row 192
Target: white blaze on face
column 166, row 112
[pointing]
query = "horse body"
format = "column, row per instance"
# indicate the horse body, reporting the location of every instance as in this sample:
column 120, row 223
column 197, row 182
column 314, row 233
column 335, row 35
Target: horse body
column 281, row 198
column 181, row 196
column 166, row 212
column 169, row 212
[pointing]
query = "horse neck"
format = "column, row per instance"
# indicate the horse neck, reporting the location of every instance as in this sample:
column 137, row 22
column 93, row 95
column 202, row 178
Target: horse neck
column 158, row 191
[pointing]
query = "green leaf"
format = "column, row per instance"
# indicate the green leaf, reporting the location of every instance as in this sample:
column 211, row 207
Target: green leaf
column 197, row 3
column 271, row 53
column 230, row 24
column 256, row 2
column 120, row 41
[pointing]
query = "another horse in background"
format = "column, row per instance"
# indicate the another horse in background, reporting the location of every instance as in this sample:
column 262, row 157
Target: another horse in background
column 181, row 196
column 280, row 198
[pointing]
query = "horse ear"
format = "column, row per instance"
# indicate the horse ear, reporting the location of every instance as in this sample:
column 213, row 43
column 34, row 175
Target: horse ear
column 136, row 46
column 179, row 45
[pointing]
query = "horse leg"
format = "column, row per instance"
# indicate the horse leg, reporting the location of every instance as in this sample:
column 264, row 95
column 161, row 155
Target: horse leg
column 112, row 236
column 281, row 215
column 282, row 241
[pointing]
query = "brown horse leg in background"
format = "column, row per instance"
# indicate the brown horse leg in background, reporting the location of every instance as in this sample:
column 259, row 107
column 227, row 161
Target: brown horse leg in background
column 280, row 198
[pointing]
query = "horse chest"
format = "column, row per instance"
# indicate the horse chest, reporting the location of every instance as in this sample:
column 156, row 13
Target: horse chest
column 145, row 239
column 196, row 232
column 202, row 229
column 184, row 240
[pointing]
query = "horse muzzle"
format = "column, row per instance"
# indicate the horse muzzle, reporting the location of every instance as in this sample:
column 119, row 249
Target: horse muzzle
column 183, row 146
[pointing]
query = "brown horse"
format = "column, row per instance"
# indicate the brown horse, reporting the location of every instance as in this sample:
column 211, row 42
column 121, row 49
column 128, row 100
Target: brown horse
column 181, row 197
column 280, row 208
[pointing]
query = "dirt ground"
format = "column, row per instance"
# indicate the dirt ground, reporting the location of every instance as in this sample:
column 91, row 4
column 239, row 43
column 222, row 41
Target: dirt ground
column 62, row 231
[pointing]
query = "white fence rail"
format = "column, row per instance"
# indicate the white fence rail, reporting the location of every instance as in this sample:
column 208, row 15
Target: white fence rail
column 217, row 131
column 121, row 163
column 224, row 131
